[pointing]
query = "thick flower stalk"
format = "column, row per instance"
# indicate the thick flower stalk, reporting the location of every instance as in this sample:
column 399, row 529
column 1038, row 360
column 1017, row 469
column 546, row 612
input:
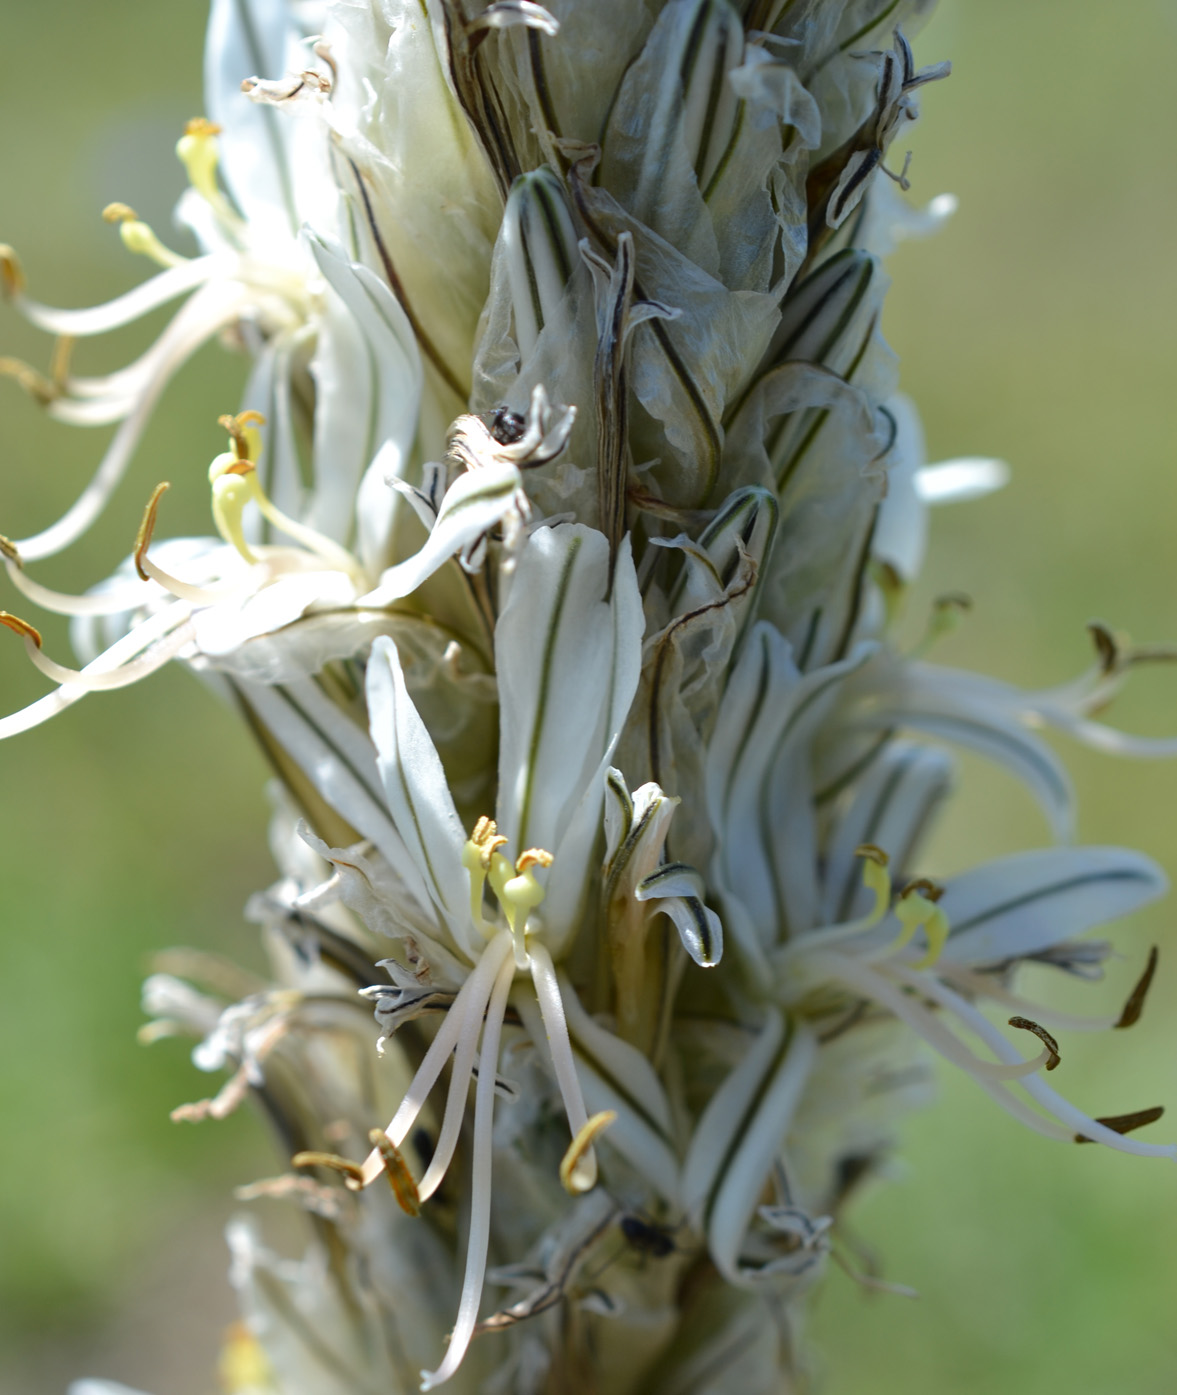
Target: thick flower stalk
column 559, row 546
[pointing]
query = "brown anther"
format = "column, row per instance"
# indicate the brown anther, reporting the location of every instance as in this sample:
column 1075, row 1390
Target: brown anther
column 872, row 853
column 353, row 1173
column 1028, row 1025
column 1135, row 1004
column 533, row 857
column 400, row 1179
column 201, row 126
column 9, row 553
column 147, row 528
column 12, row 275
column 240, row 467
column 1126, row 1123
column 21, row 627
column 923, row 887
column 1106, row 648
column 119, row 213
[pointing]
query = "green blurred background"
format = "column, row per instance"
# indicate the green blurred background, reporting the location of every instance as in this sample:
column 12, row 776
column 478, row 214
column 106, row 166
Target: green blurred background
column 1039, row 327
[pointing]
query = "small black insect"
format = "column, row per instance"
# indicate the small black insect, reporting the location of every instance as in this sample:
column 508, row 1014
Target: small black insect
column 507, row 426
column 654, row 1240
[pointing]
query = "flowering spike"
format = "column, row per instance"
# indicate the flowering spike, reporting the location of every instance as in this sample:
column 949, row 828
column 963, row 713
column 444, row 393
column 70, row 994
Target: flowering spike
column 664, row 507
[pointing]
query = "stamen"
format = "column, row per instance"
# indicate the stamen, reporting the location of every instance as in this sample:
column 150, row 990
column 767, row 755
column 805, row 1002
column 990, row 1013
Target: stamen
column 33, row 647
column 1126, row 1123
column 353, row 1173
column 484, row 842
column 551, row 1008
column 138, row 237
column 468, row 1006
column 234, row 481
column 945, row 617
column 520, row 895
column 243, row 436
column 1135, row 1004
column 876, row 878
column 41, row 389
column 481, row 1164
column 197, row 152
column 400, row 1179
column 574, row 1176
column 22, row 628
column 1029, row 1025
column 232, row 490
column 147, row 527
column 148, row 571
column 916, row 909
column 12, row 276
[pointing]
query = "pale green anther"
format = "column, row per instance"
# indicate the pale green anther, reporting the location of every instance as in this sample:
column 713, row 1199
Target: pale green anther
column 501, row 873
column 139, row 238
column 877, row 879
column 520, row 896
column 540, row 242
column 914, row 911
column 472, row 861
column 230, row 494
column 197, row 152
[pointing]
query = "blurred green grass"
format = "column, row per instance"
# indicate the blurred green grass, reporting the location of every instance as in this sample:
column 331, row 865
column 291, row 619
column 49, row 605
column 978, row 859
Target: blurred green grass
column 1038, row 327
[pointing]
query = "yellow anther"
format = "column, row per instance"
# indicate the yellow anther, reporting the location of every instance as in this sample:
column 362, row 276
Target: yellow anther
column 487, row 839
column 877, row 879
column 201, row 126
column 138, row 237
column 198, row 153
column 916, row 909
column 21, row 627
column 12, row 275
column 578, row 1167
column 533, row 857
column 243, row 436
column 244, row 1366
column 400, row 1179
column 147, row 528
column 9, row 552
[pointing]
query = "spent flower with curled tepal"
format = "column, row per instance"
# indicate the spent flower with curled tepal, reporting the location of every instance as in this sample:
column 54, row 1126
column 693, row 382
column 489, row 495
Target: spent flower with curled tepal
column 556, row 563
